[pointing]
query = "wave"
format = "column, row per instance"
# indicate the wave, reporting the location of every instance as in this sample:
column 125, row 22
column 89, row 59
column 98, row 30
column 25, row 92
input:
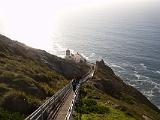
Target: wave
column 117, row 66
column 133, row 85
column 155, row 84
column 158, row 71
column 84, row 56
column 143, row 66
column 92, row 55
column 150, row 90
column 139, row 76
column 148, row 93
column 150, row 82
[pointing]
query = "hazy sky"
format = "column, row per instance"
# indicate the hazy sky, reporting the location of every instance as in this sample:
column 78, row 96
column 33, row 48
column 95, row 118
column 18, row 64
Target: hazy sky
column 34, row 22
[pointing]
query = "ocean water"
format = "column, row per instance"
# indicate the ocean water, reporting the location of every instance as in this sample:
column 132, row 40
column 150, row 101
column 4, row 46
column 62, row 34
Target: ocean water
column 128, row 39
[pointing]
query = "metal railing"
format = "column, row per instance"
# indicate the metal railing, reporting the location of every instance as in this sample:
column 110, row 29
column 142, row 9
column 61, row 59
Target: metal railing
column 76, row 96
column 72, row 104
column 47, row 110
column 43, row 112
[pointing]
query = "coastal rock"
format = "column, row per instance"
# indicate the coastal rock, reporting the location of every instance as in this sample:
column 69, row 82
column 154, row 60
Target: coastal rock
column 124, row 97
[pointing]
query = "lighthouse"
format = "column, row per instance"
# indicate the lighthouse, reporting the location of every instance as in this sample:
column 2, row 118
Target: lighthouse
column 68, row 52
column 68, row 55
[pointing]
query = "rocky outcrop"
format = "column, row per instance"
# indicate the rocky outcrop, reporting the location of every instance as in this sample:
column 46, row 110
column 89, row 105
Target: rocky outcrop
column 121, row 96
column 107, row 81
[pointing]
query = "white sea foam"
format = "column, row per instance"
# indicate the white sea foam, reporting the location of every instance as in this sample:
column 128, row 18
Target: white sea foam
column 92, row 55
column 117, row 66
column 135, row 72
column 145, row 77
column 150, row 82
column 134, row 85
column 87, row 58
column 158, row 72
column 138, row 76
column 155, row 84
column 143, row 66
column 156, row 88
column 140, row 80
column 148, row 93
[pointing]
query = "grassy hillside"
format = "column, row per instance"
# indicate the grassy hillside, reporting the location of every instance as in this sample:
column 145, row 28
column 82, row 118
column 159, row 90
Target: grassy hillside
column 29, row 76
column 107, row 97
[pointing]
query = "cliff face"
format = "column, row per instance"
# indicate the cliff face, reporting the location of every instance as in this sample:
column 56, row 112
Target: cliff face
column 121, row 99
column 28, row 76
column 113, row 85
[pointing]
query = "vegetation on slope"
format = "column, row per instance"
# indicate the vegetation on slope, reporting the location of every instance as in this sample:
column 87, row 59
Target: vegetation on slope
column 25, row 84
column 119, row 101
column 95, row 105
column 29, row 76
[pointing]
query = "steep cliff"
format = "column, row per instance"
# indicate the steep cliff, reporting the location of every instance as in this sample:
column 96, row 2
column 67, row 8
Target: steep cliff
column 107, row 97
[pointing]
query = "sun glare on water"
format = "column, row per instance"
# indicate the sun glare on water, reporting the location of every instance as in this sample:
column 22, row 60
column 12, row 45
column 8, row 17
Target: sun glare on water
column 34, row 22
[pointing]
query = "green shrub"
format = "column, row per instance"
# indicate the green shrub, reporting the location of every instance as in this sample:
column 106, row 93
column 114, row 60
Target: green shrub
column 5, row 115
column 89, row 102
column 83, row 93
column 8, row 75
column 96, row 109
column 91, row 106
column 129, row 99
column 16, row 101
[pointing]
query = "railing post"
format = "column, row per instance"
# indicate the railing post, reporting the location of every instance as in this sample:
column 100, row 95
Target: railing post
column 42, row 114
column 54, row 100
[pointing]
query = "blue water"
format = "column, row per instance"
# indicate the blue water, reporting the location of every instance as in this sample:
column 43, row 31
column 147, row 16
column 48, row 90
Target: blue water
column 127, row 39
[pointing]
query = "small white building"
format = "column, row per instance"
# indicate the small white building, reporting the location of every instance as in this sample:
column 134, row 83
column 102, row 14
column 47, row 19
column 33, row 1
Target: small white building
column 75, row 57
